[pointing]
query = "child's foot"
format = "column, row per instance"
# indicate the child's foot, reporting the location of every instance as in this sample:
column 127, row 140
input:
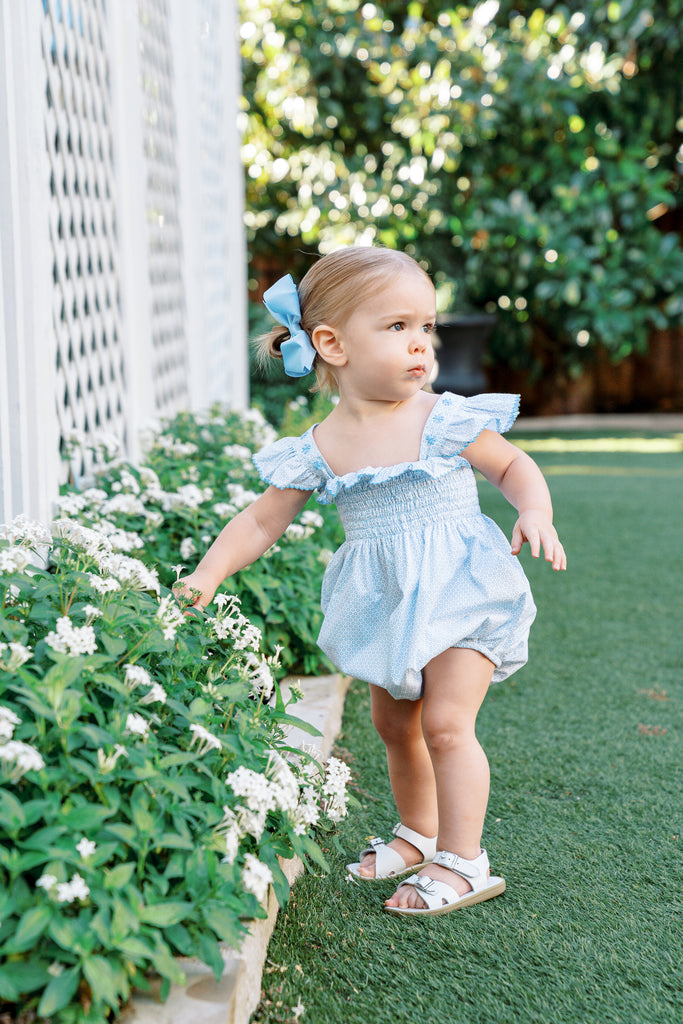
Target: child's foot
column 410, row 854
column 408, row 897
column 446, row 884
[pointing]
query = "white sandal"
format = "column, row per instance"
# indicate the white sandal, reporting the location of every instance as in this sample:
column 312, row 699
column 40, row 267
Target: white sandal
column 389, row 863
column 441, row 898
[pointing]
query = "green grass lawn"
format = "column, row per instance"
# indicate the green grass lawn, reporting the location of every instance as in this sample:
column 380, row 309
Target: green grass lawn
column 586, row 808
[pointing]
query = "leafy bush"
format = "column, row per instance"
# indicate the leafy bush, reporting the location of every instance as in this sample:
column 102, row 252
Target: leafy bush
column 525, row 152
column 197, row 473
column 146, row 786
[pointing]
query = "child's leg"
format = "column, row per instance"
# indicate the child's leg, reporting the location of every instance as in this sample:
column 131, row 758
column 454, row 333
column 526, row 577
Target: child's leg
column 456, row 683
column 399, row 723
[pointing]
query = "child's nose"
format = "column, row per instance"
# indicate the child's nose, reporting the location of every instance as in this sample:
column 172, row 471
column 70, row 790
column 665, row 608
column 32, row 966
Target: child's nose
column 418, row 342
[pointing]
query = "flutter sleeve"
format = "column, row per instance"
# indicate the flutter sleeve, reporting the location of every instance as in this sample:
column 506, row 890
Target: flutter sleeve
column 287, row 464
column 457, row 421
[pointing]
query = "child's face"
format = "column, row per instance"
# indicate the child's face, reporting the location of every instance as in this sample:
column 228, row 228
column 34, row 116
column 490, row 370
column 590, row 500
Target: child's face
column 387, row 339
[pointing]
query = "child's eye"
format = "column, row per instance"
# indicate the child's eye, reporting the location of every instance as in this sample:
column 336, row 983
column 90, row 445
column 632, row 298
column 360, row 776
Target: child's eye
column 398, row 326
column 428, row 328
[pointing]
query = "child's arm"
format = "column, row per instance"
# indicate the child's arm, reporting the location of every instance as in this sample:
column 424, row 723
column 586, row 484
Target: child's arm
column 518, row 477
column 242, row 541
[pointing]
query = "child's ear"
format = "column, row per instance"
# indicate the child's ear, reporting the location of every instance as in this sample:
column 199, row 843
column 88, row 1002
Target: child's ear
column 328, row 345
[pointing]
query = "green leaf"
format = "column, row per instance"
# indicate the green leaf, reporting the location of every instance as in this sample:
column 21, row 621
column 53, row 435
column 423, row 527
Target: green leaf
column 115, row 645
column 314, row 852
column 139, row 809
column 209, row 951
column 8, row 985
column 119, row 876
column 137, row 947
column 59, row 992
column 29, row 975
column 32, row 924
column 86, row 816
column 163, row 914
column 223, row 922
column 173, row 841
column 102, row 980
column 12, row 815
column 43, row 838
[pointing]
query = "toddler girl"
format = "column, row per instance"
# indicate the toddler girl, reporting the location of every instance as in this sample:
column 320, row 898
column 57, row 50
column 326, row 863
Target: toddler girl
column 424, row 600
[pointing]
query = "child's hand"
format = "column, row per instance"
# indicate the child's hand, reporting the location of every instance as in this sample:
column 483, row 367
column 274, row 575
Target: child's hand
column 193, row 591
column 538, row 530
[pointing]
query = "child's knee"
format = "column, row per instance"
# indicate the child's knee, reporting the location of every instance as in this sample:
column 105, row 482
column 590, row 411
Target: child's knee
column 396, row 727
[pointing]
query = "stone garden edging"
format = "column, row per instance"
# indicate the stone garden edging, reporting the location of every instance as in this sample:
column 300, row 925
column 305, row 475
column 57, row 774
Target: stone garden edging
column 233, row 999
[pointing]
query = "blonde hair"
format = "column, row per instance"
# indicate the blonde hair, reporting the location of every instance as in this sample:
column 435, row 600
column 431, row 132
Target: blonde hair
column 331, row 290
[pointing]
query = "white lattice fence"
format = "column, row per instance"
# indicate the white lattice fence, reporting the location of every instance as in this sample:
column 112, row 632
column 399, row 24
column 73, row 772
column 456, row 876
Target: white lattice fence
column 86, row 315
column 122, row 269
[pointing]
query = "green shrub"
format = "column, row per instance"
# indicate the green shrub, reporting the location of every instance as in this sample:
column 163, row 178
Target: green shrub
column 524, row 152
column 146, row 786
column 197, row 472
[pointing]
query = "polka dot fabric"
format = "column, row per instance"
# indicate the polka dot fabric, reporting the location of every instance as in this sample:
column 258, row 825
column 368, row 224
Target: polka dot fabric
column 421, row 569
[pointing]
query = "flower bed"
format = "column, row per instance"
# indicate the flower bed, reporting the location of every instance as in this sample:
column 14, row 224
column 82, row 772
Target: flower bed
column 146, row 785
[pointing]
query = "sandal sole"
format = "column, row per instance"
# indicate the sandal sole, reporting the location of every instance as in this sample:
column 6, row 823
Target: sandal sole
column 468, row 900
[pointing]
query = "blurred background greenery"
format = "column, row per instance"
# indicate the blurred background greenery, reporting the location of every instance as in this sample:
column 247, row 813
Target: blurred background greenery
column 528, row 154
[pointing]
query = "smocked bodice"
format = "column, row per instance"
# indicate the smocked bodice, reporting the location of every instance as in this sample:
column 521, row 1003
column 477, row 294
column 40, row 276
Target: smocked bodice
column 406, row 503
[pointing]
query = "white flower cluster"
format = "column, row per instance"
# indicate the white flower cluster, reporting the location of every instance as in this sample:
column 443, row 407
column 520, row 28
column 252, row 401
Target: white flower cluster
column 256, row 877
column 189, row 496
column 14, row 559
column 264, row 433
column 107, row 762
column 136, row 676
column 18, row 655
column 137, row 725
column 86, row 847
column 70, row 639
column 260, row 677
column 238, row 451
column 8, row 720
column 206, row 740
column 18, row 758
column 27, row 532
column 230, row 622
column 173, row 446
column 240, row 497
column 64, row 892
column 337, row 775
column 169, row 617
column 130, row 570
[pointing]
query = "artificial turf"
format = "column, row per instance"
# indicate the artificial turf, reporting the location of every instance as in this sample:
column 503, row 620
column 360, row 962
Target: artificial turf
column 586, row 808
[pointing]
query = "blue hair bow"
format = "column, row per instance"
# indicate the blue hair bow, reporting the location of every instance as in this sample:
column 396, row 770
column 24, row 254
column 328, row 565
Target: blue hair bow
column 282, row 301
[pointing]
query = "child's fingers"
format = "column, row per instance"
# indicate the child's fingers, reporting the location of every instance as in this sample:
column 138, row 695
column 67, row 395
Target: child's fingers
column 554, row 552
column 517, row 540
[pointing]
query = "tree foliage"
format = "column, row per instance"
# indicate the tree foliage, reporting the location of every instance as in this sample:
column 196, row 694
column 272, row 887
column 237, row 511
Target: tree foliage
column 524, row 152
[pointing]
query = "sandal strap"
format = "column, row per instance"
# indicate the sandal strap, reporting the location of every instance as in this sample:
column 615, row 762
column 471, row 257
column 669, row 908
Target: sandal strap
column 473, row 871
column 432, row 891
column 425, row 844
column 387, row 861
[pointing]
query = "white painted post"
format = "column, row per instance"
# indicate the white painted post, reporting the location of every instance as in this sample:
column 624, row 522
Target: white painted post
column 237, row 252
column 204, row 39
column 29, row 442
column 136, row 320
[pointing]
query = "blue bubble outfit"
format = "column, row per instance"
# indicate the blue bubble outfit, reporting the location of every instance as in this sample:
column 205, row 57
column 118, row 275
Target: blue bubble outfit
column 421, row 569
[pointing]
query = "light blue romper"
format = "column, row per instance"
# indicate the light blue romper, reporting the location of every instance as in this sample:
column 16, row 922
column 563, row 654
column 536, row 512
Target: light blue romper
column 421, row 569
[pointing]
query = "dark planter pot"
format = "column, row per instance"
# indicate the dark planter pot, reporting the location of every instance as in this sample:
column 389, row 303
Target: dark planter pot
column 460, row 354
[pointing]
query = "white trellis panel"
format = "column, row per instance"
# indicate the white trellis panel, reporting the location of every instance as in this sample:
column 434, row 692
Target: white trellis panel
column 122, row 255
column 207, row 91
column 89, row 356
